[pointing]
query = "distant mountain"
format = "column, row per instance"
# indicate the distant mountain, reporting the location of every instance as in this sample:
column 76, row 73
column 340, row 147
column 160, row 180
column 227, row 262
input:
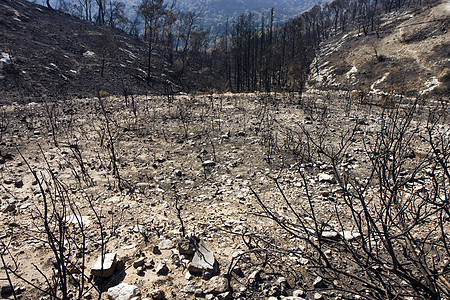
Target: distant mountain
column 214, row 13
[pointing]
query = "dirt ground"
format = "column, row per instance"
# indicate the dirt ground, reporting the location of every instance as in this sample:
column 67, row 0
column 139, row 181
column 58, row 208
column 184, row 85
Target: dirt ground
column 191, row 161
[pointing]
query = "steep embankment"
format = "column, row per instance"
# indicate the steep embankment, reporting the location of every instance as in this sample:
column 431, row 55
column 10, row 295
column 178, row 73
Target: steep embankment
column 45, row 53
column 408, row 54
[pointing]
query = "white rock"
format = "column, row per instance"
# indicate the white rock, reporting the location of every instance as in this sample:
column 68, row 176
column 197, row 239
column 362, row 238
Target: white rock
column 124, row 291
column 109, row 265
column 324, row 177
column 203, row 259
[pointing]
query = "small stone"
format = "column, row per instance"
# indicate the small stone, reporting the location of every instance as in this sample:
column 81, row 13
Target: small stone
column 161, row 268
column 124, row 291
column 209, row 163
column 225, row 296
column 216, row 285
column 18, row 183
column 186, row 246
column 8, row 180
column 330, row 235
column 149, row 264
column 166, row 244
column 350, row 235
column 6, row 290
column 139, row 262
column 140, row 271
column 198, row 292
column 10, row 207
column 109, row 265
column 318, row 283
column 299, row 293
column 158, row 294
column 156, row 250
column 324, row 177
column 178, row 173
column 318, row 296
column 255, row 276
column 188, row 275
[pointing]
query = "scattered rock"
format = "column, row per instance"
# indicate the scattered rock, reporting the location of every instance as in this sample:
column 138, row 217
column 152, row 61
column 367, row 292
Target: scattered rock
column 331, row 235
column 140, row 271
column 150, row 264
column 6, row 291
column 225, row 296
column 178, row 173
column 124, row 291
column 186, row 246
column 215, row 285
column 255, row 276
column 203, row 260
column 318, row 296
column 161, row 268
column 158, row 294
column 324, row 177
column 166, row 245
column 156, row 250
column 350, row 235
column 9, row 207
column 8, row 180
column 139, row 262
column 18, row 183
column 209, row 163
column 299, row 293
column 318, row 283
column 109, row 265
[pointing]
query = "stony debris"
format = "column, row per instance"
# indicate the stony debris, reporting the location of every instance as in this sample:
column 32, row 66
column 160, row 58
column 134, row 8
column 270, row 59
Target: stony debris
column 299, row 293
column 318, row 296
column 109, row 265
column 331, row 235
column 318, row 283
column 139, row 262
column 225, row 296
column 124, row 291
column 166, row 245
column 209, row 163
column 161, row 268
column 216, row 285
column 186, row 246
column 158, row 294
column 6, row 290
column 324, row 177
column 203, row 260
column 255, row 276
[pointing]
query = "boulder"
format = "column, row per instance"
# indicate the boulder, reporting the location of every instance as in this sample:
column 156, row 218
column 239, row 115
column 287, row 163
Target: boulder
column 109, row 265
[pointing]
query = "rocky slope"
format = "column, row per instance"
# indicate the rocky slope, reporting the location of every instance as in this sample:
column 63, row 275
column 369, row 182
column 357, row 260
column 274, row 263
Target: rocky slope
column 45, row 53
column 408, row 54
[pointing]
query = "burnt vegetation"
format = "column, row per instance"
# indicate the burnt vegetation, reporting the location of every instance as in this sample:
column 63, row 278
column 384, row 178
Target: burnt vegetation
column 150, row 137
